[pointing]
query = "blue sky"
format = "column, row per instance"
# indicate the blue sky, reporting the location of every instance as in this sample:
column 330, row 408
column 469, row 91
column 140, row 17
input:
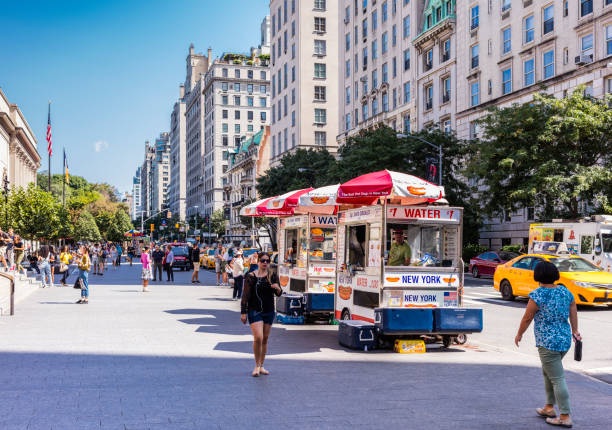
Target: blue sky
column 111, row 70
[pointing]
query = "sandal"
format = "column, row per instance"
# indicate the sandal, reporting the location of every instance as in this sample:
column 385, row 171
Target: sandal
column 255, row 373
column 78, row 302
column 542, row 412
column 559, row 422
column 263, row 371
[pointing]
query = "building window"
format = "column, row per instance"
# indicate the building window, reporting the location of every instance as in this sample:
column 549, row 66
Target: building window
column 319, row 24
column 384, row 42
column 507, row 81
column 236, row 100
column 394, row 35
column 320, row 138
column 507, row 40
column 320, row 47
column 249, row 101
column 224, row 140
column 224, row 73
column 384, row 12
column 374, row 79
column 385, row 73
column 347, row 41
column 364, row 28
column 347, row 68
column 224, row 128
column 474, row 56
column 609, row 39
column 394, row 66
column 428, row 60
column 587, row 44
column 586, row 7
column 406, row 121
column 445, row 50
column 237, row 73
column 406, row 92
column 609, row 85
column 549, row 64
column 374, row 49
column 224, row 114
column 406, row 27
column 292, row 96
column 224, row 86
column 347, row 95
column 446, row 126
column 365, row 58
column 528, row 72
column 385, row 102
column 320, row 116
column 319, row 70
column 374, row 107
column 250, row 115
column 506, row 4
column 428, row 97
column 224, row 100
column 364, row 111
column 549, row 19
column 474, row 13
column 319, row 93
column 319, row 4
column 529, row 31
column 237, row 128
column 407, row 59
column 250, row 88
column 475, row 93
column 262, row 101
column 374, row 20
column 446, row 89
column 262, row 116
column 292, row 118
column 236, row 114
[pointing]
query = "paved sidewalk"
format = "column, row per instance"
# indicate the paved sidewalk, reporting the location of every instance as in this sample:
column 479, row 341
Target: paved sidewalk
column 179, row 358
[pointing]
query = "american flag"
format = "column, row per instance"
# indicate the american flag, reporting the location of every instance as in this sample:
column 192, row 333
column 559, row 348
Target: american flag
column 49, row 146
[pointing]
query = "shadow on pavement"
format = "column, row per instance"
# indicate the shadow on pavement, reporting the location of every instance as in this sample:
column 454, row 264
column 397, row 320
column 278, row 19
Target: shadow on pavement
column 82, row 391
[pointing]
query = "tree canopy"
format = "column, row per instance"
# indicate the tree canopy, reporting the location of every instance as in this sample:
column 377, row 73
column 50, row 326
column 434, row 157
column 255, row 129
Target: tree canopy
column 551, row 154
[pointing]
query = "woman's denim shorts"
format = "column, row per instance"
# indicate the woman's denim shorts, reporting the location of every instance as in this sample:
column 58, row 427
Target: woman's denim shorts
column 266, row 317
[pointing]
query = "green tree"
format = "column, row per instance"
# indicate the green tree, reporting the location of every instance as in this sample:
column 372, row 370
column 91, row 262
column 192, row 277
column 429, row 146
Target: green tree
column 549, row 153
column 121, row 223
column 85, row 228
column 217, row 222
column 105, row 220
column 303, row 169
column 34, row 213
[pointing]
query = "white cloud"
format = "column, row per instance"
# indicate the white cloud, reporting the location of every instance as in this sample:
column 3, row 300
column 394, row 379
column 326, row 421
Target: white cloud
column 100, row 146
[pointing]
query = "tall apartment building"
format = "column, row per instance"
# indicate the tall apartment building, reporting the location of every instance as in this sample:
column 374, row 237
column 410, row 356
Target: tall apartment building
column 436, row 64
column 237, row 94
column 136, row 196
column 177, row 197
column 146, row 181
column 304, row 80
column 508, row 49
column 160, row 173
column 197, row 66
column 377, row 74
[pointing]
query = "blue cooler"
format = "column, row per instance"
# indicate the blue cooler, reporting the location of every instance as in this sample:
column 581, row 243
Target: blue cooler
column 318, row 302
column 404, row 320
column 457, row 320
column 290, row 304
column 357, row 334
column 286, row 319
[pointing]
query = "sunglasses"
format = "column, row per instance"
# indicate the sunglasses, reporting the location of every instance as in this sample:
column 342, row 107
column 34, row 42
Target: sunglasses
column 264, row 261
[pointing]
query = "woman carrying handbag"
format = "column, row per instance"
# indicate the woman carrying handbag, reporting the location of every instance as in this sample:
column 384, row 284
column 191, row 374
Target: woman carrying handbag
column 551, row 306
column 65, row 259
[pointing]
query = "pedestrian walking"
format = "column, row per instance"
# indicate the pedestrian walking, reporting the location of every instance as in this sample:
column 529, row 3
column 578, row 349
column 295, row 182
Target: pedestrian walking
column 19, row 250
column 53, row 262
column 44, row 265
column 4, row 240
column 257, row 306
column 113, row 256
column 119, row 254
column 10, row 254
column 195, row 261
column 238, row 274
column 145, row 259
column 158, row 259
column 95, row 257
column 227, row 259
column 551, row 306
column 219, row 264
column 65, row 259
column 84, row 265
column 130, row 254
column 168, row 264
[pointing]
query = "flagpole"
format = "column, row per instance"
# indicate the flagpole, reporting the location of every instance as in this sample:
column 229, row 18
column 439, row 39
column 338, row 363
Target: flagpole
column 64, row 188
column 49, row 152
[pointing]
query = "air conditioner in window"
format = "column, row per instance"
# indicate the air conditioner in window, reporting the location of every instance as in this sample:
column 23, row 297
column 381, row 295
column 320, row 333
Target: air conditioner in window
column 347, row 20
column 583, row 59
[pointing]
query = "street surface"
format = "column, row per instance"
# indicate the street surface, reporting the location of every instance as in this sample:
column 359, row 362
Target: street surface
column 179, row 358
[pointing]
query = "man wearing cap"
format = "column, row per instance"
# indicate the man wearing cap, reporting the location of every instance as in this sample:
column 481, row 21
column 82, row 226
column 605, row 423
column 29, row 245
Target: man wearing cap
column 400, row 252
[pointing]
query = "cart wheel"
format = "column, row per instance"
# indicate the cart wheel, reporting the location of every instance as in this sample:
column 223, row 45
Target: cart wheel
column 446, row 341
column 346, row 315
column 461, row 339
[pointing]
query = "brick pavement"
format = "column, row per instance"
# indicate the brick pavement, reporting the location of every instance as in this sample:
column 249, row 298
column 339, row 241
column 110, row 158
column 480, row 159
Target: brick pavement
column 178, row 358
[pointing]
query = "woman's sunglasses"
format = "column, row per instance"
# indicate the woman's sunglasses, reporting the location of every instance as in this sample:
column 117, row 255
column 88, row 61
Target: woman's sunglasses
column 264, row 261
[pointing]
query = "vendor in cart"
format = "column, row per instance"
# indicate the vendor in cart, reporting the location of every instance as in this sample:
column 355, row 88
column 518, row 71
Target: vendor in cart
column 400, row 252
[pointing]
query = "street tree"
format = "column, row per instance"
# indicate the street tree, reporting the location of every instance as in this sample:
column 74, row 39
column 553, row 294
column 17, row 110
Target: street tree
column 121, row 224
column 34, row 213
column 303, row 169
column 217, row 222
column 85, row 228
column 550, row 154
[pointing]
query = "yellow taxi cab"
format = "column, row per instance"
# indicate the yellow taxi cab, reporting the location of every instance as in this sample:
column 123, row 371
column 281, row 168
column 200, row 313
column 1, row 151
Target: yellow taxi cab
column 589, row 284
column 210, row 259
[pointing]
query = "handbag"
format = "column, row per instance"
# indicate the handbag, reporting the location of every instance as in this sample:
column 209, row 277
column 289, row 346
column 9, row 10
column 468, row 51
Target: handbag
column 63, row 267
column 78, row 284
column 578, row 350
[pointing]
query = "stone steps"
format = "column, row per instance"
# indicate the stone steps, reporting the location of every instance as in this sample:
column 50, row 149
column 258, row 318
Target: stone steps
column 24, row 286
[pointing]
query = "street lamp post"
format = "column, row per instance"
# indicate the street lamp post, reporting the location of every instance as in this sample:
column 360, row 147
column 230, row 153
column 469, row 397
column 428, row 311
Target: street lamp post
column 438, row 147
column 5, row 184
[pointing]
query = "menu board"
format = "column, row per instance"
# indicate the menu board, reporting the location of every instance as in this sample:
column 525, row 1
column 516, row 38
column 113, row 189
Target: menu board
column 451, row 240
column 374, row 253
column 340, row 244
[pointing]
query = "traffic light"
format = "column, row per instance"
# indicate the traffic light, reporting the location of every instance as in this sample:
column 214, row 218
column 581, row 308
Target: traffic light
column 176, row 225
column 152, row 227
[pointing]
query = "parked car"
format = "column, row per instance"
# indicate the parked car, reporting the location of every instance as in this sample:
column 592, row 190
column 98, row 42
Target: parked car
column 181, row 256
column 589, row 284
column 487, row 262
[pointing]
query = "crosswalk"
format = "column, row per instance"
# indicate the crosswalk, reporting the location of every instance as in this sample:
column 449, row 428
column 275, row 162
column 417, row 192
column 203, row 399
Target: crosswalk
column 480, row 295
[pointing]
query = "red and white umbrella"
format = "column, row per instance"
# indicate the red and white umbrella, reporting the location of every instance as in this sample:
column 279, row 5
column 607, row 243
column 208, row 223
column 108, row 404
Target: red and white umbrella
column 366, row 189
column 287, row 201
column 320, row 200
column 259, row 208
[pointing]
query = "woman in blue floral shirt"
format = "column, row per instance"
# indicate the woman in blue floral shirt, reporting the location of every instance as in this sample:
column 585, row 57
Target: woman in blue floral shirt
column 551, row 305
